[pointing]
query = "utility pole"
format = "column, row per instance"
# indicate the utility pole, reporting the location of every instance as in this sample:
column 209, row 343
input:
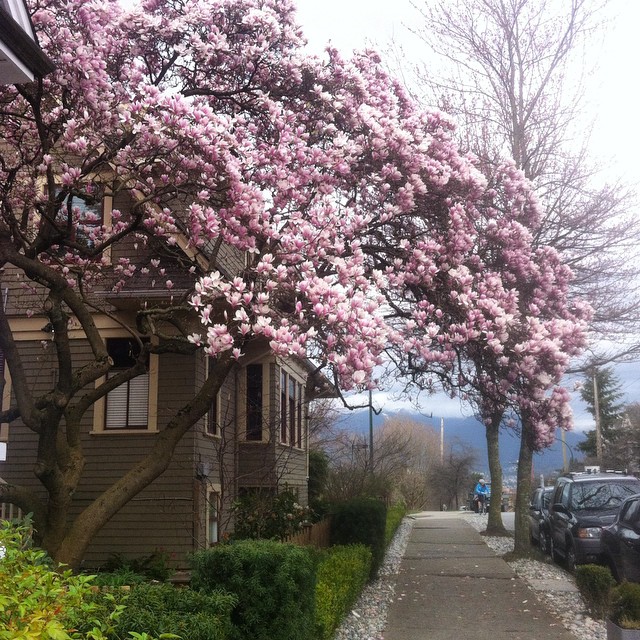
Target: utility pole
column 370, row 432
column 596, row 411
column 441, row 440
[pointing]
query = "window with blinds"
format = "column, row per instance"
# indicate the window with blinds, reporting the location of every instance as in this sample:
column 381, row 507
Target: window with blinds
column 127, row 406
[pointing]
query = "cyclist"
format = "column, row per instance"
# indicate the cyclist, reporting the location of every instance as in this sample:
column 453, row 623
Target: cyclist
column 482, row 491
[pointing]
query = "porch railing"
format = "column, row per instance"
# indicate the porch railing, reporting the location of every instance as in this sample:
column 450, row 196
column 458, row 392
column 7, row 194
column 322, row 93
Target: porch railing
column 9, row 511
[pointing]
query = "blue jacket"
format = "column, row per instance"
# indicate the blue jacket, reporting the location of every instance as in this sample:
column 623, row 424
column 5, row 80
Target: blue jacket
column 482, row 489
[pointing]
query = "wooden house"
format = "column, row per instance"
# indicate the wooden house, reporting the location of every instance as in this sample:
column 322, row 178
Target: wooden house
column 254, row 436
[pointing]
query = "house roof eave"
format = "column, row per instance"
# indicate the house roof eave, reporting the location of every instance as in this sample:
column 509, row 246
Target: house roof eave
column 21, row 59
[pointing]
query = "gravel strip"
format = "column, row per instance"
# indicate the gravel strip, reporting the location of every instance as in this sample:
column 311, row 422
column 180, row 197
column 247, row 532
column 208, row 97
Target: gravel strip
column 369, row 616
column 367, row 619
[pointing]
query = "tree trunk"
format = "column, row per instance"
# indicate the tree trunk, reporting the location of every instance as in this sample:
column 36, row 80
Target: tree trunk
column 70, row 548
column 522, row 544
column 495, row 526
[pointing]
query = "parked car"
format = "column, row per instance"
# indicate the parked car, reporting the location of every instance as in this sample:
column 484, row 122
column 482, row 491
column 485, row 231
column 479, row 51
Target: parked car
column 538, row 518
column 621, row 542
column 581, row 505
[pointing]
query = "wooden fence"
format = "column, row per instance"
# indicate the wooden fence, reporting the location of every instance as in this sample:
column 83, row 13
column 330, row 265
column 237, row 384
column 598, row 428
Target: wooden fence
column 316, row 535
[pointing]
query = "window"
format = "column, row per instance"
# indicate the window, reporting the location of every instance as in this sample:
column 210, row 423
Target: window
column 291, row 401
column 128, row 404
column 292, row 414
column 212, row 424
column 605, row 495
column 213, row 509
column 283, row 406
column 631, row 515
column 564, row 496
column 5, row 403
column 87, row 216
column 254, row 402
column 213, row 417
column 132, row 406
column 299, row 441
column 274, row 404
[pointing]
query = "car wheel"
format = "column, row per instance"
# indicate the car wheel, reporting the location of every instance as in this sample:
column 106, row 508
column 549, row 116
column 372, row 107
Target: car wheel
column 570, row 557
column 544, row 542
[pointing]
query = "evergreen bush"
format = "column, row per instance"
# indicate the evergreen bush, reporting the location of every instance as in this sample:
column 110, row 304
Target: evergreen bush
column 41, row 600
column 361, row 521
column 154, row 566
column 394, row 517
column 625, row 609
column 164, row 609
column 595, row 583
column 261, row 515
column 274, row 585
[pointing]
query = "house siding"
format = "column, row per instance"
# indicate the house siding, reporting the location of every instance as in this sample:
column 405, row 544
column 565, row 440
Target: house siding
column 162, row 516
column 170, row 514
column 292, row 471
column 218, row 456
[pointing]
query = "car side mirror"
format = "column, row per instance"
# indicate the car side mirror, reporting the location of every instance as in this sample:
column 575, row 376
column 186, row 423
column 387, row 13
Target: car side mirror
column 559, row 508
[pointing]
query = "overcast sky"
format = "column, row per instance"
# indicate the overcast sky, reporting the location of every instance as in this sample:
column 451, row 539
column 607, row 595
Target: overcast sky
column 613, row 99
column 612, row 104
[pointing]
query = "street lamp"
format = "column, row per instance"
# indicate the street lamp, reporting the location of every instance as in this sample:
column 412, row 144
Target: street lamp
column 371, row 412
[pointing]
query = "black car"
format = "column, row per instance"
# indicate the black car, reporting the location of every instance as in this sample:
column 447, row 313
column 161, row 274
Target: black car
column 621, row 542
column 581, row 505
column 538, row 518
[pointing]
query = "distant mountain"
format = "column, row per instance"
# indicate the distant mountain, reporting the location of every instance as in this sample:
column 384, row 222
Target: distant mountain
column 472, row 432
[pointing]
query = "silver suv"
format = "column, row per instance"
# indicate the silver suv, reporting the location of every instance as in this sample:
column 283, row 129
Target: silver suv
column 581, row 504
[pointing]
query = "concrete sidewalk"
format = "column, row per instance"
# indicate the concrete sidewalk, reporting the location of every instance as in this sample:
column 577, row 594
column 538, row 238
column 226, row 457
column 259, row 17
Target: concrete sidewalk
column 452, row 586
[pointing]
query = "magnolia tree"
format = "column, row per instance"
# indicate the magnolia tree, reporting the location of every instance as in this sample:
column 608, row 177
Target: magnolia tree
column 510, row 325
column 358, row 217
column 208, row 117
column 515, row 75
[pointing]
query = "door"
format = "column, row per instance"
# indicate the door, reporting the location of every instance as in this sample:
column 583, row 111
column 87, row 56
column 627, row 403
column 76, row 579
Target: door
column 629, row 541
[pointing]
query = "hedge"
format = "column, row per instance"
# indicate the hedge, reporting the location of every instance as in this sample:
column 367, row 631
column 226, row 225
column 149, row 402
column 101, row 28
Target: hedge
column 272, row 582
column 361, row 521
column 342, row 574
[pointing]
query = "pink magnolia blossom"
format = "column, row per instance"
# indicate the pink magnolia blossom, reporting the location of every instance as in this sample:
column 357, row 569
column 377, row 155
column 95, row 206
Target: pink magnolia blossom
column 337, row 218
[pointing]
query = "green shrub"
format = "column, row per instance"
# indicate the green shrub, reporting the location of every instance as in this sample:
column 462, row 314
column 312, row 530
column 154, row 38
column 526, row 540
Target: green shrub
column 625, row 610
column 99, row 616
column 595, row 583
column 39, row 600
column 261, row 515
column 154, row 566
column 119, row 578
column 273, row 583
column 361, row 521
column 164, row 609
column 342, row 574
column 394, row 517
